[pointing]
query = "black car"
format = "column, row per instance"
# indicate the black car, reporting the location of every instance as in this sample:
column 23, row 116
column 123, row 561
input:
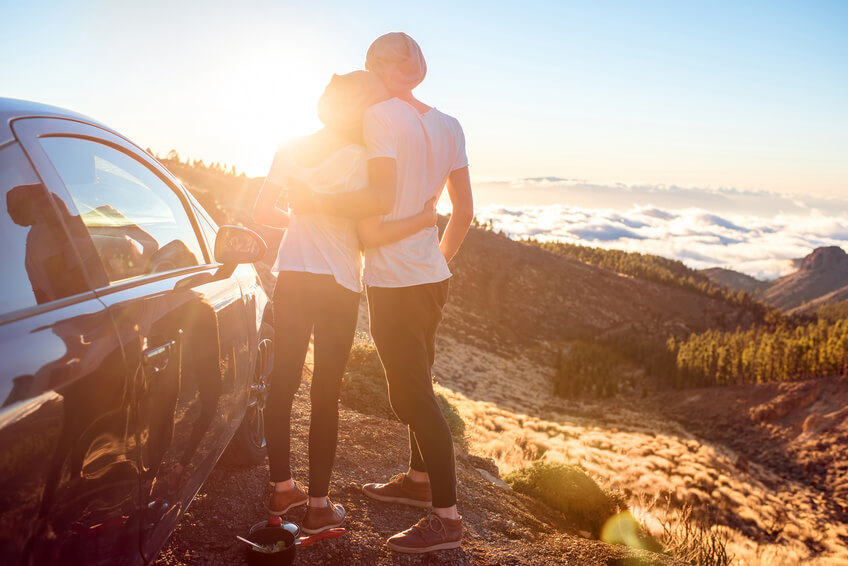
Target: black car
column 134, row 343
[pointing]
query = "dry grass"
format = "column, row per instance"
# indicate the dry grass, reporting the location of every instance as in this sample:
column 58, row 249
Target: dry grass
column 512, row 416
column 604, row 514
column 687, row 538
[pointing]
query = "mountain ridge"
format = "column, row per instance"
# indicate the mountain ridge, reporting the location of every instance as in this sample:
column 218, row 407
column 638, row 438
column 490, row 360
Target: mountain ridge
column 820, row 277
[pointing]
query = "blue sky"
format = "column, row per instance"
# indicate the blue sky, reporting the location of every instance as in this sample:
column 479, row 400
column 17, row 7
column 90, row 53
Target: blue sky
column 749, row 95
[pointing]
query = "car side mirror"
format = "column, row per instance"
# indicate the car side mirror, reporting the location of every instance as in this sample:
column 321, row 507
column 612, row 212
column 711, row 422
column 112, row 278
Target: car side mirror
column 233, row 245
column 236, row 244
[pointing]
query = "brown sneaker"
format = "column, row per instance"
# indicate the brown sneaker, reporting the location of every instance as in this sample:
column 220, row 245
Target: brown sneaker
column 429, row 534
column 320, row 519
column 401, row 489
column 282, row 501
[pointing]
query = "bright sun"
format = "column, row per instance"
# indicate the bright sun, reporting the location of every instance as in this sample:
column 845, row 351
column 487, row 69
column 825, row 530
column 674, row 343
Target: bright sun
column 269, row 95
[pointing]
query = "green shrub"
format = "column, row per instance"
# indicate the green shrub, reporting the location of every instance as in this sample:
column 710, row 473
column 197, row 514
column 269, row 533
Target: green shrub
column 568, row 489
column 364, row 388
column 364, row 383
column 455, row 422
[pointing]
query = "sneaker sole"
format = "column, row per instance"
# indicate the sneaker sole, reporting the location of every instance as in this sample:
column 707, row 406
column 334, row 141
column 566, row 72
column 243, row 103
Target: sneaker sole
column 424, row 550
column 287, row 509
column 321, row 529
column 401, row 500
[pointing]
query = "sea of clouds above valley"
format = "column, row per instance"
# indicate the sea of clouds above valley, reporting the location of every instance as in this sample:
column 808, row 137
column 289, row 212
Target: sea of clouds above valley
column 753, row 232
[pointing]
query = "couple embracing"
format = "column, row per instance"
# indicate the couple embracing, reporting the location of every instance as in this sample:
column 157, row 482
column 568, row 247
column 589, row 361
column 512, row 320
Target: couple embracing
column 368, row 180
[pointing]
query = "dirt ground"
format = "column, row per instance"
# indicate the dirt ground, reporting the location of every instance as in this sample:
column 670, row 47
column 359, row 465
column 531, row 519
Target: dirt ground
column 501, row 526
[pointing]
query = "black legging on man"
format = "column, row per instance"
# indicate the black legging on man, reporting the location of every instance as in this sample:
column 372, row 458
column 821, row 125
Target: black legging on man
column 403, row 324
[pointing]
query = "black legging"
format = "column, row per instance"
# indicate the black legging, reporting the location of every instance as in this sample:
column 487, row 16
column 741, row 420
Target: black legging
column 403, row 325
column 303, row 302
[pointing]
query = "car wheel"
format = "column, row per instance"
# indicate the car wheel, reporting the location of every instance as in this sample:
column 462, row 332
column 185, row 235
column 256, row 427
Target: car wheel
column 248, row 445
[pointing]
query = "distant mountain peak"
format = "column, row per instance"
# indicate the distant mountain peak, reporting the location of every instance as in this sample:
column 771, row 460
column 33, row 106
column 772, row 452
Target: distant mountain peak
column 824, row 258
column 821, row 276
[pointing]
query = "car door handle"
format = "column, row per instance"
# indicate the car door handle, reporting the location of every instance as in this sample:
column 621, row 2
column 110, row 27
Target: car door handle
column 157, row 358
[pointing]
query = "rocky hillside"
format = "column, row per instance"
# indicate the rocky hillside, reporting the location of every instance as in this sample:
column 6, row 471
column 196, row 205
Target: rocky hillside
column 791, row 437
column 821, row 277
column 797, row 429
column 823, row 272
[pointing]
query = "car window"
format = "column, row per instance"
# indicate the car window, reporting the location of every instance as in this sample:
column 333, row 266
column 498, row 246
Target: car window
column 137, row 222
column 38, row 262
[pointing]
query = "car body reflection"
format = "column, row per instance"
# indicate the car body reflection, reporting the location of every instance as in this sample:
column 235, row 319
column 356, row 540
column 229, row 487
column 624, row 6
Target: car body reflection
column 129, row 352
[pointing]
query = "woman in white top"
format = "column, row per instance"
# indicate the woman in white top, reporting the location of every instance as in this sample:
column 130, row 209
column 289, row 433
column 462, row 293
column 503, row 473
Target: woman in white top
column 318, row 287
column 413, row 151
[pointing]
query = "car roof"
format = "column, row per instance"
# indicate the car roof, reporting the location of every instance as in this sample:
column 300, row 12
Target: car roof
column 11, row 109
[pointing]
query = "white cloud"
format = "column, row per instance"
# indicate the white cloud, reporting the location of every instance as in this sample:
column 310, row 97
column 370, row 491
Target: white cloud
column 761, row 246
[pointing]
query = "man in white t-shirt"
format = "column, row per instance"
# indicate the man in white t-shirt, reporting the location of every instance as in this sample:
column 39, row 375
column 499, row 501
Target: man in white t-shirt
column 407, row 283
column 413, row 151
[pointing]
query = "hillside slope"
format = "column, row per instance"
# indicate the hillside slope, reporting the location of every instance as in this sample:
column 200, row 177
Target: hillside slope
column 793, row 436
column 515, row 294
column 765, row 464
column 797, row 429
column 735, row 280
column 832, row 299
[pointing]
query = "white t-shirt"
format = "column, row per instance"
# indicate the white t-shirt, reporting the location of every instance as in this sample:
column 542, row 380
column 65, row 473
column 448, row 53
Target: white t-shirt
column 316, row 243
column 427, row 148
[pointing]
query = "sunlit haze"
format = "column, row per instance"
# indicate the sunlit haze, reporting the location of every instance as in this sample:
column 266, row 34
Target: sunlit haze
column 713, row 96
